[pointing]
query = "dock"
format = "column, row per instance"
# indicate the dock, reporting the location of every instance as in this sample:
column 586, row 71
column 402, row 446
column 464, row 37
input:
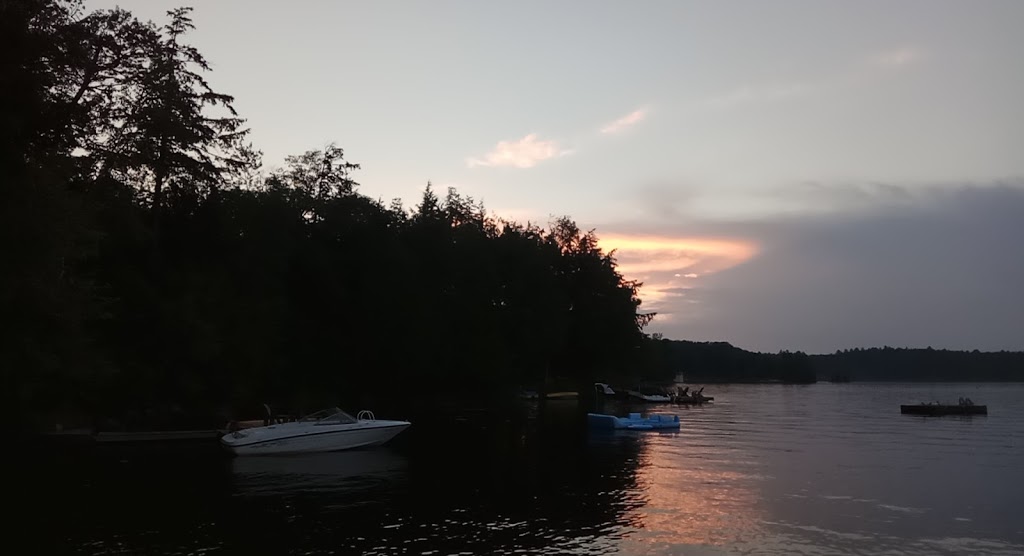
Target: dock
column 940, row 409
column 158, row 436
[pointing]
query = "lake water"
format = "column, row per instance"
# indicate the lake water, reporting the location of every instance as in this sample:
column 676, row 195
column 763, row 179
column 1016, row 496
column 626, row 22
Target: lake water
column 821, row 469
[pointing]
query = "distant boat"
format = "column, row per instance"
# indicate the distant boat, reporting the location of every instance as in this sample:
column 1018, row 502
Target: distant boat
column 683, row 396
column 633, row 422
column 964, row 407
column 328, row 430
column 602, row 388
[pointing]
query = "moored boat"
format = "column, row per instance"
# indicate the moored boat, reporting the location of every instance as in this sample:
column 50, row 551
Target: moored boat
column 683, row 396
column 693, row 400
column 328, row 430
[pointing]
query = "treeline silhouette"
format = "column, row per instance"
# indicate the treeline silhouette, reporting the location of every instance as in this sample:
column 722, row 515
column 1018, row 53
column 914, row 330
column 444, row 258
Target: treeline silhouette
column 711, row 362
column 151, row 270
column 718, row 362
column 904, row 364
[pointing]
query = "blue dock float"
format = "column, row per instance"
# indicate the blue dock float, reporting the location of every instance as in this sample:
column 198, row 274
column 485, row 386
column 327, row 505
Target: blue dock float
column 633, row 422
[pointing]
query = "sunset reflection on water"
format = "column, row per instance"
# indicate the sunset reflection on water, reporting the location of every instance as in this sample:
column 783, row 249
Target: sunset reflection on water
column 698, row 495
column 836, row 473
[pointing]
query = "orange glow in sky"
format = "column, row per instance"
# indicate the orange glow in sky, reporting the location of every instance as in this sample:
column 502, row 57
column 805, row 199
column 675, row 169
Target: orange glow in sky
column 663, row 262
column 654, row 253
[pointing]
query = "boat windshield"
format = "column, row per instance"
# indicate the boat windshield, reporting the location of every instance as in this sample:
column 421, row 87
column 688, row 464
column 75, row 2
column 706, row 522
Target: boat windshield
column 331, row 416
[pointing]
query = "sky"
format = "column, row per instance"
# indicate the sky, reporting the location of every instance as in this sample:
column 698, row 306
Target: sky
column 801, row 175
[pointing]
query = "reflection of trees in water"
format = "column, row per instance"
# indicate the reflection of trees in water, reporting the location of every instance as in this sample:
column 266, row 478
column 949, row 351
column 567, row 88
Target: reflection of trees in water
column 123, row 499
column 316, row 474
column 539, row 485
column 534, row 485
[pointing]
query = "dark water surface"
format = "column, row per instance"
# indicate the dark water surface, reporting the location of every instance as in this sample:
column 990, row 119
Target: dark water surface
column 823, row 469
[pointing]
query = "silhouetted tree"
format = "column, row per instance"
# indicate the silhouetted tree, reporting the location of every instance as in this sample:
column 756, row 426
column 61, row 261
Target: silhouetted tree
column 320, row 175
column 166, row 127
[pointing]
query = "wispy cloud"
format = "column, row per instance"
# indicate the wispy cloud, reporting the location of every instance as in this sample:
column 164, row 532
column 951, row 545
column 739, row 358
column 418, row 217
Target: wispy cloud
column 524, row 153
column 897, row 57
column 531, row 150
column 785, row 90
column 625, row 121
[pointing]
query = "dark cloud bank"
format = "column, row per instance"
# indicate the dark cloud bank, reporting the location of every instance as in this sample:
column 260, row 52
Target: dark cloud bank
column 940, row 267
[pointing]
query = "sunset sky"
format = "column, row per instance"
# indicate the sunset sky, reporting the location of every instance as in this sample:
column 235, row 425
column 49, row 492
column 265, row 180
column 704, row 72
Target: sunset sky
column 811, row 175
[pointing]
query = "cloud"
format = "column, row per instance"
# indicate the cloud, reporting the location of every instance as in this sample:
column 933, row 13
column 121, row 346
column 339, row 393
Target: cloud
column 638, row 254
column 530, row 150
column 667, row 202
column 940, row 268
column 524, row 153
column 624, row 122
column 897, row 57
column 785, row 90
column 659, row 261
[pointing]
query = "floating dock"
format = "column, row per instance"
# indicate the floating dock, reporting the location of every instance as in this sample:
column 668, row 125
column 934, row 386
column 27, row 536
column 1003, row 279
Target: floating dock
column 633, row 422
column 942, row 409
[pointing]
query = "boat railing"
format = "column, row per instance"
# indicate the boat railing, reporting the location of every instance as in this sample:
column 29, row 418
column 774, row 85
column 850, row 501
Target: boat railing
column 366, row 415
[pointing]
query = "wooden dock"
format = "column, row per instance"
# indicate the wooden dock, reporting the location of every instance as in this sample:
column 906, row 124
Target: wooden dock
column 158, row 436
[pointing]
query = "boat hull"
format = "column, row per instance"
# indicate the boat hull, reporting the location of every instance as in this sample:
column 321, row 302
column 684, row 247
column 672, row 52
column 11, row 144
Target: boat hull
column 938, row 410
column 330, row 439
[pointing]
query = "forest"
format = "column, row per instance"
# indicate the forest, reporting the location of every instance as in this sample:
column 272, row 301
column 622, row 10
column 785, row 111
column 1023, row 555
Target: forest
column 720, row 362
column 154, row 269
column 906, row 364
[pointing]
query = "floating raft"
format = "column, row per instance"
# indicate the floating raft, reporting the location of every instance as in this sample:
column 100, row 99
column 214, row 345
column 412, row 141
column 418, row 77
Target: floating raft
column 941, row 409
column 633, row 422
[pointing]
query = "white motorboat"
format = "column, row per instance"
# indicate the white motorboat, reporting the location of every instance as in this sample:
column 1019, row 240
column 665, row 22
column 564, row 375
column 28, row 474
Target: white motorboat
column 328, row 430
